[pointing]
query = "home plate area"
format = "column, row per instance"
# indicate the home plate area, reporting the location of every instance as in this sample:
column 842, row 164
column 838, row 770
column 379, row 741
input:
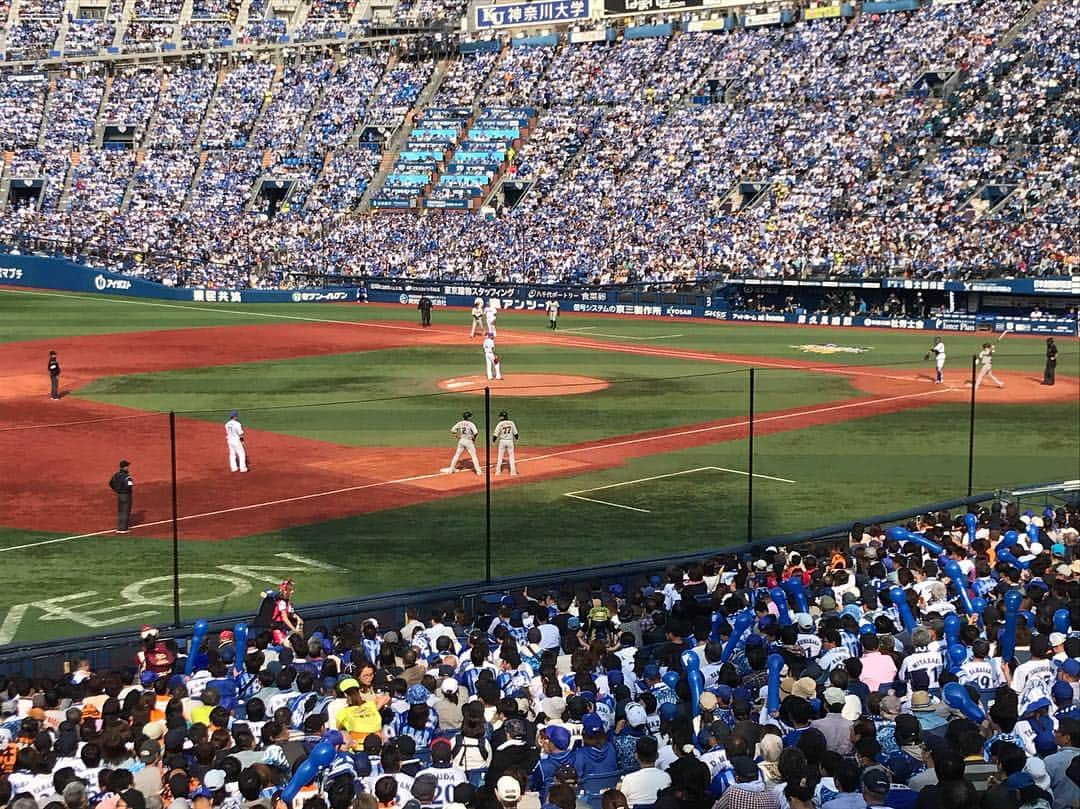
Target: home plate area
column 610, row 489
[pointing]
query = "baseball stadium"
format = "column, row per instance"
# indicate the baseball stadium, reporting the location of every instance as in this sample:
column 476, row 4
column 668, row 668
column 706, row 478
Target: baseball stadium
column 497, row 404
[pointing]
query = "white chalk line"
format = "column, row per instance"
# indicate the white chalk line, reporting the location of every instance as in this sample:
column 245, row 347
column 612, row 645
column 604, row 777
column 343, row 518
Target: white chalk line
column 577, row 495
column 556, row 454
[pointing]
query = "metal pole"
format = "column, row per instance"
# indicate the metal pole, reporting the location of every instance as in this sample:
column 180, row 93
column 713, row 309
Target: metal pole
column 750, row 464
column 971, row 428
column 487, row 485
column 175, row 522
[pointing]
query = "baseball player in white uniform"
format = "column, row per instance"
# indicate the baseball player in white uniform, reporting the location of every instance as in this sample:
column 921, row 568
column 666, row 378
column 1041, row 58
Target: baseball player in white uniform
column 477, row 318
column 490, row 313
column 466, row 432
column 938, row 350
column 506, row 434
column 491, row 359
column 234, row 439
column 986, row 366
column 553, row 314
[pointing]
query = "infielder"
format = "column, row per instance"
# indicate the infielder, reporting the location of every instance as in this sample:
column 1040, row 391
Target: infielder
column 477, row 318
column 234, row 440
column 505, row 435
column 553, row 314
column 491, row 359
column 938, row 350
column 490, row 313
column 986, row 366
column 466, row 432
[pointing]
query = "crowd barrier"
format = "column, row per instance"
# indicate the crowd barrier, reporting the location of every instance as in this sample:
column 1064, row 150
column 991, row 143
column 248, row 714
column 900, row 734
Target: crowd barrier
column 645, row 300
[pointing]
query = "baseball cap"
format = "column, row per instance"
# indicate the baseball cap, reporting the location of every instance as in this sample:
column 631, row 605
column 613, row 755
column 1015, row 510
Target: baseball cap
column 507, row 789
column 1061, row 691
column 651, row 672
column 347, row 684
column 149, row 751
column 876, row 781
column 667, row 711
column 591, row 724
column 1057, row 549
column 214, row 779
column 1070, row 666
column 449, row 686
column 425, row 786
column 553, row 707
column 804, row 621
column 201, row 792
column 558, row 736
column 827, row 603
column 834, row 696
column 635, row 715
column 417, row 695
column 1057, row 638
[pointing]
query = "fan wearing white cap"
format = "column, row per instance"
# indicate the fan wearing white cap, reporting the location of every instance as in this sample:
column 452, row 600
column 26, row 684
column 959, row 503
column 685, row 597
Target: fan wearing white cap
column 807, row 639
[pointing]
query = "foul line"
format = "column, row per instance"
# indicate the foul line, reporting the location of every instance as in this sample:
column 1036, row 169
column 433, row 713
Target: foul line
column 716, row 427
column 577, row 494
column 556, row 454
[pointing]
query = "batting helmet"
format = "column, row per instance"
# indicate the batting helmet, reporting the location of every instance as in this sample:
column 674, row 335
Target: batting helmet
column 467, row 414
column 503, row 414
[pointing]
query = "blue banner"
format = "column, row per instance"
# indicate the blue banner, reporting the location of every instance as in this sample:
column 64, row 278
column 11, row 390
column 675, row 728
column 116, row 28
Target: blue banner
column 56, row 273
column 539, row 12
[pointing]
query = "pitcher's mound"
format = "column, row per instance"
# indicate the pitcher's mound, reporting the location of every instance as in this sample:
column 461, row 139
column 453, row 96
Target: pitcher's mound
column 525, row 384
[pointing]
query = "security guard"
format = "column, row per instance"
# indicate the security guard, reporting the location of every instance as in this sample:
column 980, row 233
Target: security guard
column 123, row 485
column 54, row 377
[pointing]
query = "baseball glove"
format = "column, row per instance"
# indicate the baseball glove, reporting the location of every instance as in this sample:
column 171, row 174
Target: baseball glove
column 495, row 358
column 926, row 356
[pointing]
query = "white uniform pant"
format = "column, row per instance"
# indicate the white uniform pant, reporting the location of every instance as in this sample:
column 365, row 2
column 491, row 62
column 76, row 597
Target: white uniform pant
column 465, row 445
column 494, row 370
column 987, row 371
column 506, row 449
column 475, row 327
column 939, row 363
column 237, row 456
column 491, row 328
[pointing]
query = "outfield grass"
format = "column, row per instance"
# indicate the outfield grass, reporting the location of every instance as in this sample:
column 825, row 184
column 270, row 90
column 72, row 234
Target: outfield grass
column 394, row 401
column 841, row 471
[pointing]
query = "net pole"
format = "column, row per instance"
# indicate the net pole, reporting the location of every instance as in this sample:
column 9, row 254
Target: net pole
column 487, row 485
column 971, row 429
column 175, row 521
column 750, row 463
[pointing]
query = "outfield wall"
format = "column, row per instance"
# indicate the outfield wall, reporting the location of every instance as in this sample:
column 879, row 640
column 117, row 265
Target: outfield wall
column 51, row 273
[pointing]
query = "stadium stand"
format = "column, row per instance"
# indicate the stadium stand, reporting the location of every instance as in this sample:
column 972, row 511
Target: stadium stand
column 834, row 676
column 679, row 156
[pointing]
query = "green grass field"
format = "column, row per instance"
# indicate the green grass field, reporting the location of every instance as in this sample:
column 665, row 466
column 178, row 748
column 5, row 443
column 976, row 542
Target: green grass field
column 388, row 399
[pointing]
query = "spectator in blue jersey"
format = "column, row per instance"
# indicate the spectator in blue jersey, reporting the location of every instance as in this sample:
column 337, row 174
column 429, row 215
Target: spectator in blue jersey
column 555, row 751
column 910, row 756
column 596, row 755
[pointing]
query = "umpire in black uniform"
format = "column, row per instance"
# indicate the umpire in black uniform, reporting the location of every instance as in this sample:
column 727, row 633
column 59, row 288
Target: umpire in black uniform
column 1051, row 361
column 425, row 310
column 123, row 485
column 54, row 376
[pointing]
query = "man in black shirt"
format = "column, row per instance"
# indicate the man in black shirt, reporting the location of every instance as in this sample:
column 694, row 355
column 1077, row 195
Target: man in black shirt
column 1051, row 361
column 425, row 310
column 54, row 377
column 123, row 485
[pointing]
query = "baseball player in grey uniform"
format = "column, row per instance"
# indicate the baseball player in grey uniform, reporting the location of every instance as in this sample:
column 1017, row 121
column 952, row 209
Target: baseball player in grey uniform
column 466, row 432
column 986, row 363
column 477, row 318
column 506, row 434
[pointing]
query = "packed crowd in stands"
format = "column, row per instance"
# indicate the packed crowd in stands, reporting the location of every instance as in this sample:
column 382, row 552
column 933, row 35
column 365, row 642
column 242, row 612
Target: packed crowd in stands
column 863, row 170
column 934, row 665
